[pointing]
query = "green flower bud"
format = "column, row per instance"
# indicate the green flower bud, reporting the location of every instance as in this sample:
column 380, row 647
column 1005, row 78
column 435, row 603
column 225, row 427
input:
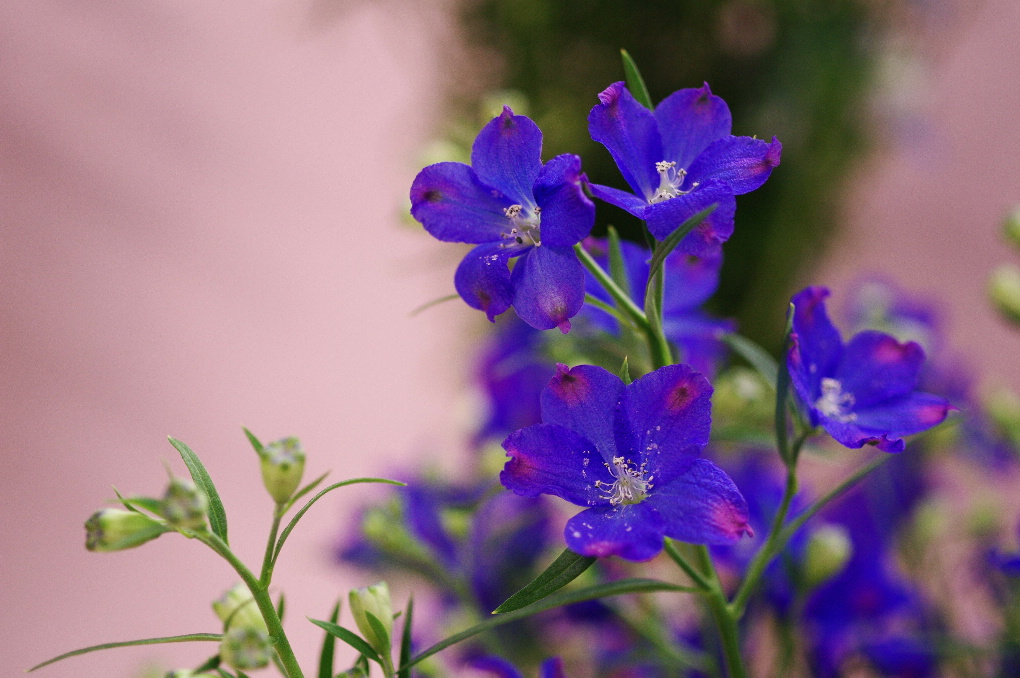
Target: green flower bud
column 246, row 648
column 283, row 464
column 741, row 394
column 184, row 505
column 1004, row 290
column 828, row 551
column 1011, row 227
column 236, row 608
column 374, row 600
column 188, row 673
column 118, row 529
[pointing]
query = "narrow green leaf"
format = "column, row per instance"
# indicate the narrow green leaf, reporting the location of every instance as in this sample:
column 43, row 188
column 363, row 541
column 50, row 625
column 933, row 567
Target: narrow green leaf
column 663, row 249
column 782, row 396
column 280, row 606
column 150, row 505
column 224, row 674
column 615, row 588
column 328, row 645
column 380, row 631
column 405, row 640
column 209, row 664
column 435, row 302
column 349, row 637
column 303, row 491
column 255, row 442
column 592, row 300
column 217, row 515
column 624, row 372
column 128, row 643
column 635, row 83
column 304, row 509
column 617, row 268
column 565, row 569
column 757, row 357
column 241, row 674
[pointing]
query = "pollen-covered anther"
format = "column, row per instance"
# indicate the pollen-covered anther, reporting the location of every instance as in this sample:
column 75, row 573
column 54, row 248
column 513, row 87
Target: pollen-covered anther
column 526, row 228
column 670, row 181
column 630, row 487
column 834, row 403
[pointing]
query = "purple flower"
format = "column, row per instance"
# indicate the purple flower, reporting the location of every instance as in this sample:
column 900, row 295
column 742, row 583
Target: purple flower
column 631, row 455
column 501, row 668
column 679, row 159
column 863, row 392
column 511, row 205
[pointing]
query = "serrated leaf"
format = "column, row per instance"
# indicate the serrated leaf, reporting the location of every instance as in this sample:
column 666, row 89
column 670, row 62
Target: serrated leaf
column 130, row 643
column 565, row 569
column 304, row 509
column 217, row 515
column 566, row 598
column 349, row 637
column 635, row 83
column 255, row 442
column 624, row 372
column 405, row 641
column 757, row 357
column 328, row 646
column 664, row 248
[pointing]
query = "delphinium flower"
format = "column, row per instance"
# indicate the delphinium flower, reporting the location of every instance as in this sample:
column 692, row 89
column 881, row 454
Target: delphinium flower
column 690, row 280
column 511, row 206
column 630, row 454
column 501, row 668
column 679, row 159
column 863, row 392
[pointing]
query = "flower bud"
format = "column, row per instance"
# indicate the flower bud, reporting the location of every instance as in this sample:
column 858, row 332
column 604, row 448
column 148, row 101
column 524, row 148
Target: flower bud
column 184, row 505
column 1011, row 227
column 283, row 464
column 188, row 673
column 236, row 608
column 118, row 529
column 246, row 648
column 374, row 600
column 1004, row 290
column 828, row 550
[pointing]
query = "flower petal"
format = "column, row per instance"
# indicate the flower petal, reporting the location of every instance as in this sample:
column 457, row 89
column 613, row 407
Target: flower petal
column 631, row 531
column 551, row 668
column 903, row 416
column 567, row 213
column 702, row 506
column 454, row 206
column 550, row 459
column 876, row 367
column 816, row 346
column 622, row 199
column 742, row 162
column 848, row 432
column 690, row 280
column 629, row 131
column 664, row 419
column 689, row 120
column 665, row 217
column 483, row 279
column 507, row 155
column 548, row 285
column 584, row 399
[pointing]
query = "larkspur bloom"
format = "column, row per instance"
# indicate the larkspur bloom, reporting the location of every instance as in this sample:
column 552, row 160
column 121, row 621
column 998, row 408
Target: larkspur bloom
column 679, row 159
column 864, row 392
column 511, row 205
column 631, row 455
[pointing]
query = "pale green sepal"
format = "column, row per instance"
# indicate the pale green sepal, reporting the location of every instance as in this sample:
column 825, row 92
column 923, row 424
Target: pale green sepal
column 256, row 444
column 635, row 83
column 624, row 372
column 217, row 514
column 129, row 643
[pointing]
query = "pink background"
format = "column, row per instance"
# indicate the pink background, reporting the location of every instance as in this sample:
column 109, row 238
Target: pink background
column 201, row 230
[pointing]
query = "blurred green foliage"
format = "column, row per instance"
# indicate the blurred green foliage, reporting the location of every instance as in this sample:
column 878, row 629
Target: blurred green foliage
column 796, row 69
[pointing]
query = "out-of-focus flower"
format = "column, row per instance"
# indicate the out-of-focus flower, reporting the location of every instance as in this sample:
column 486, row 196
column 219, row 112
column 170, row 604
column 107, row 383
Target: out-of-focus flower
column 631, row 454
column 863, row 392
column 679, row 159
column 511, row 205
column 184, row 505
column 501, row 668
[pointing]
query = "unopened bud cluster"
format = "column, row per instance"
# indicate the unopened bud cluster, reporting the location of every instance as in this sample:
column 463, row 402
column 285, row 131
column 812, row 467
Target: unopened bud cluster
column 246, row 643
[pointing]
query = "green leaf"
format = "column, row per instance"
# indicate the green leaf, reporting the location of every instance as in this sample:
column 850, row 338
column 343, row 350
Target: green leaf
column 592, row 300
column 624, row 372
column 349, row 637
column 217, row 515
column 757, row 357
column 615, row 588
column 303, row 491
column 435, row 302
column 280, row 607
column 782, row 396
column 565, row 569
column 617, row 268
column 255, row 442
column 328, row 645
column 663, row 249
column 150, row 505
column 380, row 631
column 129, row 643
column 405, row 641
column 635, row 83
column 304, row 509
column 210, row 664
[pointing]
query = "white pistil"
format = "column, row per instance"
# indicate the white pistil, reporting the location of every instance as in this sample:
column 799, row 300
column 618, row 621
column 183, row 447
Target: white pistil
column 670, row 181
column 833, row 403
column 630, row 487
column 525, row 228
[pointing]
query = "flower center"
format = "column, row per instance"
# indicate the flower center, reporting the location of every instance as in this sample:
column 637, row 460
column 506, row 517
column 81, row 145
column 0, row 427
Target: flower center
column 670, row 181
column 834, row 403
column 525, row 229
column 630, row 487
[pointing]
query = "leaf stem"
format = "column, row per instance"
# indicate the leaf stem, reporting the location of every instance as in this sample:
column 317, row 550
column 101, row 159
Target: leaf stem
column 673, row 552
column 267, row 560
column 622, row 299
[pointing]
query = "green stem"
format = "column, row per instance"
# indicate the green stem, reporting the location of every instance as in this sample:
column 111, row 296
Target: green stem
column 658, row 346
column 622, row 299
column 673, row 552
column 725, row 620
column 267, row 560
column 261, row 595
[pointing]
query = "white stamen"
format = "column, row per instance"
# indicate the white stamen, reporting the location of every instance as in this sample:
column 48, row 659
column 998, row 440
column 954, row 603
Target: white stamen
column 630, row 487
column 525, row 228
column 670, row 181
column 833, row 403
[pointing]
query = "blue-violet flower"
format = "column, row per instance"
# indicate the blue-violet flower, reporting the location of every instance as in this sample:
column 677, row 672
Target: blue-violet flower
column 631, row 455
column 511, row 205
column 679, row 159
